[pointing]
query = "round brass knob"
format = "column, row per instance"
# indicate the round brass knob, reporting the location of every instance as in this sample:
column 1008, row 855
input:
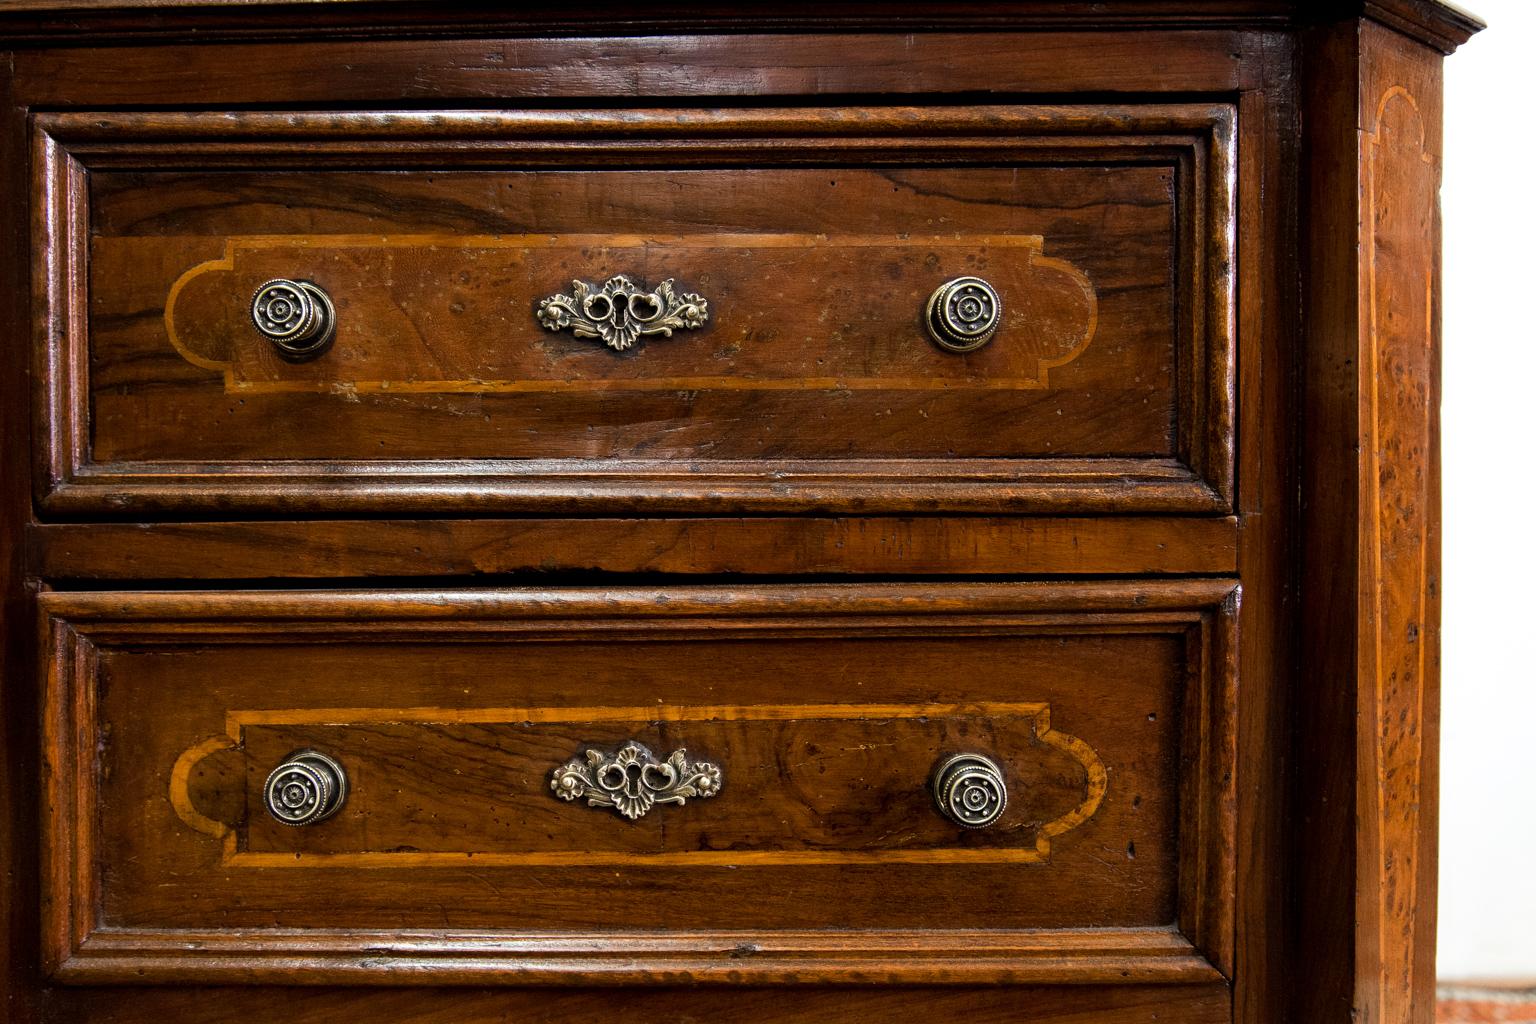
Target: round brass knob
column 295, row 316
column 970, row 790
column 306, row 788
column 963, row 314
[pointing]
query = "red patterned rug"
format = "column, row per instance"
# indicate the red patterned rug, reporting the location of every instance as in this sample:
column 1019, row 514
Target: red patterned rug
column 1486, row 1006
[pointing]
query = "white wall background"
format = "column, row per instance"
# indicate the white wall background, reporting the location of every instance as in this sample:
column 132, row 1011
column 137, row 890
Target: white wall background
column 1488, row 772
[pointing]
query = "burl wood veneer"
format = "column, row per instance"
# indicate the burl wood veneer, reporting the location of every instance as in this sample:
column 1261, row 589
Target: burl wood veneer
column 617, row 650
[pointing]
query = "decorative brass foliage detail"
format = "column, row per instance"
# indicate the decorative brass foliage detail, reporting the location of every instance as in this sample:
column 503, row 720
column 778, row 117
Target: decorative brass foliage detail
column 632, row 781
column 621, row 311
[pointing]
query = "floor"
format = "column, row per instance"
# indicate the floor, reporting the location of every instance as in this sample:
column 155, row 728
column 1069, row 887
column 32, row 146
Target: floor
column 1486, row 1006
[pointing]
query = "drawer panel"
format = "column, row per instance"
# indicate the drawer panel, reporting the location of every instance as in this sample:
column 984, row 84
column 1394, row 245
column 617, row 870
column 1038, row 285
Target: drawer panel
column 675, row 309
column 456, row 315
column 807, row 784
column 997, row 1004
column 454, row 717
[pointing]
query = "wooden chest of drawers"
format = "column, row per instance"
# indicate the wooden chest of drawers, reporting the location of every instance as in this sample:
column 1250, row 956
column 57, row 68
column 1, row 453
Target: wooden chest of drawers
column 813, row 513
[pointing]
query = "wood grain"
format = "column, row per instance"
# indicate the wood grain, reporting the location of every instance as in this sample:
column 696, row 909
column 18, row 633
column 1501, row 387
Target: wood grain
column 792, row 404
column 825, row 811
column 1103, row 958
column 1118, row 545
column 711, row 64
column 20, row 995
column 1400, row 656
column 817, row 784
column 1370, row 752
column 1439, row 24
column 471, row 299
column 1268, row 481
column 1047, row 1004
column 1228, row 167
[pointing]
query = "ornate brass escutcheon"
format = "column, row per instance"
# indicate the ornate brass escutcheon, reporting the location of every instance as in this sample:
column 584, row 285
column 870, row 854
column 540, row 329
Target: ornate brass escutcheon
column 621, row 311
column 632, row 781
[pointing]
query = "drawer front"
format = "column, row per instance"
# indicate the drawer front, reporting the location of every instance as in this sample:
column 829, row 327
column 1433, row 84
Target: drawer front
column 727, row 309
column 703, row 783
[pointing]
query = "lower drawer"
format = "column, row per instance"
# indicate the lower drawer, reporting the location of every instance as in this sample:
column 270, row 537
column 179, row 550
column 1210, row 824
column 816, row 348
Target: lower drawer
column 1061, row 1004
column 751, row 783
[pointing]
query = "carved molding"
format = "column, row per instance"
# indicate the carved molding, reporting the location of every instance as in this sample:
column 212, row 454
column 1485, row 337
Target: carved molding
column 1433, row 22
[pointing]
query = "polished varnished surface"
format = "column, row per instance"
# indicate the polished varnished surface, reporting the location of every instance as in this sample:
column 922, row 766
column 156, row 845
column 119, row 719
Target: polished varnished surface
column 846, row 546
column 1060, row 1004
column 1385, row 579
column 1163, row 550
column 1107, row 231
column 822, row 306
column 1109, row 707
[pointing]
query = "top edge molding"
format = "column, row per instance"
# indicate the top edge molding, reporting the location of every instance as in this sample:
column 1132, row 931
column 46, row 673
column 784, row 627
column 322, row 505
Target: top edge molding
column 79, row 22
column 1436, row 23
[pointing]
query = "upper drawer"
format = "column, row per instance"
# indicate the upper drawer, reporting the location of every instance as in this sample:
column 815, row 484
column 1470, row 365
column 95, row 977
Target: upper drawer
column 669, row 310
